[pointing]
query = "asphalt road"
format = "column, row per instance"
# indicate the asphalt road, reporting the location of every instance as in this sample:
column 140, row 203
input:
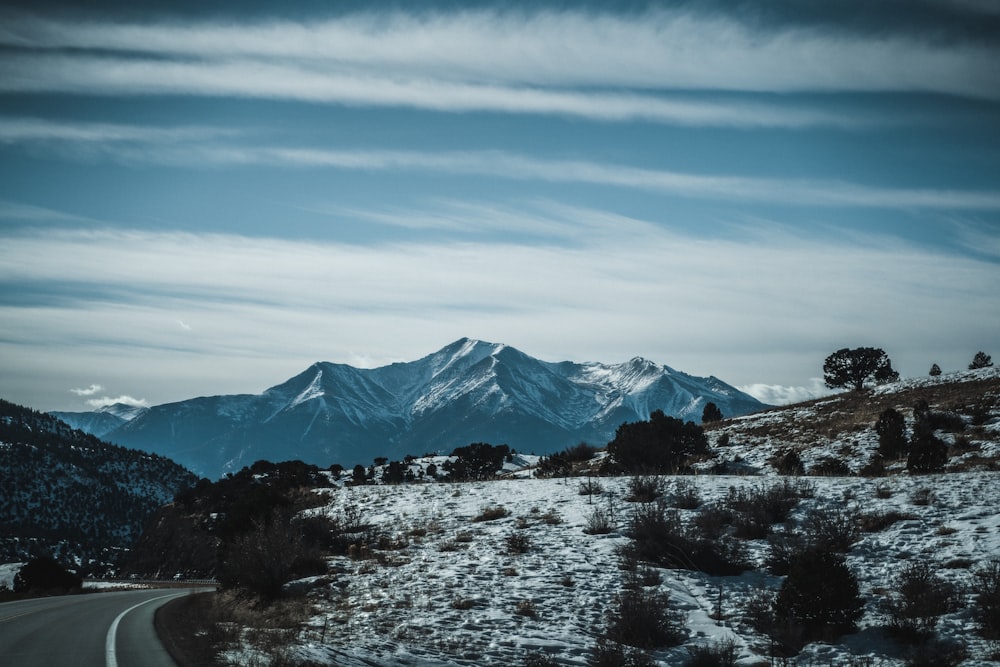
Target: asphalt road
column 113, row 629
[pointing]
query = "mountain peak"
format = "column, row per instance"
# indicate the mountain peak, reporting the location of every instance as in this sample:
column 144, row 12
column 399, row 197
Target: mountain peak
column 468, row 391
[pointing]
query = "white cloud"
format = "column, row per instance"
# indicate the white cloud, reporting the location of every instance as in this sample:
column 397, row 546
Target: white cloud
column 89, row 391
column 664, row 49
column 123, row 399
column 192, row 146
column 758, row 309
column 523, row 167
column 775, row 394
column 110, row 76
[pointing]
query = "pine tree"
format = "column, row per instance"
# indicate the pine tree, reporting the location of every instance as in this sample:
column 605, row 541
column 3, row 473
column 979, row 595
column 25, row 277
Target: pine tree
column 891, row 429
column 711, row 413
column 981, row 360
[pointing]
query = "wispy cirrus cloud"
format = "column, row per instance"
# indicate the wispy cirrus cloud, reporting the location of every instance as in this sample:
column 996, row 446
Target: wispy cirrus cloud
column 593, row 65
column 659, row 49
column 626, row 283
column 197, row 147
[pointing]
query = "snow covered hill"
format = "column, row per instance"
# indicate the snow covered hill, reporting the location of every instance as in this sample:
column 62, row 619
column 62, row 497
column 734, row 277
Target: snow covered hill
column 469, row 391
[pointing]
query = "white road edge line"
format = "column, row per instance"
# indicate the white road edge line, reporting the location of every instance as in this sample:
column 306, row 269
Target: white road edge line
column 109, row 643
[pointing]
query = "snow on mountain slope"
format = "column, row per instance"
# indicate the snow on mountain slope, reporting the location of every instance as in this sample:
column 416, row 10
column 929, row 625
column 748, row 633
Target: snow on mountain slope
column 466, row 392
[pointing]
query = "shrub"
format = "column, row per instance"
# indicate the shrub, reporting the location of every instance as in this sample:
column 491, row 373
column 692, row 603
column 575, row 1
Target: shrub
column 599, row 522
column 938, row 653
column 835, row 529
column 492, row 513
column 891, row 430
column 658, row 537
column 788, row 462
column 45, row 575
column 645, row 488
column 718, row 654
column 685, row 495
column 875, row 522
column 643, row 618
column 919, row 598
column 607, row 653
column 591, row 487
column 830, row 466
column 271, row 553
column 923, row 496
column 820, row 595
column 518, row 543
column 986, row 601
column 539, row 660
column 526, row 608
column 477, row 461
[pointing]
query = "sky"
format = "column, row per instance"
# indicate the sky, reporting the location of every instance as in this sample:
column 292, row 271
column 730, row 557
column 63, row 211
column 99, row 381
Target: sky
column 205, row 198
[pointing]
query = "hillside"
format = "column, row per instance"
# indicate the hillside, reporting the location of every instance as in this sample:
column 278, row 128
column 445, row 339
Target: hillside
column 541, row 572
column 72, row 496
column 841, row 427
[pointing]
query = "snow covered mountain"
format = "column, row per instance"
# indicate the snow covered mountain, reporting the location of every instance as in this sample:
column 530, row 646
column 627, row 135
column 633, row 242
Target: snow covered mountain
column 100, row 422
column 469, row 391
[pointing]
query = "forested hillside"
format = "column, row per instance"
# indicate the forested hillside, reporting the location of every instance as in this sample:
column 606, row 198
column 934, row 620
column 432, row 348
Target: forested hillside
column 72, row 496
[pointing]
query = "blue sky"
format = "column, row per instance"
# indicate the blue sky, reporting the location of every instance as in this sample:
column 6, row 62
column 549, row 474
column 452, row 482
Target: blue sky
column 195, row 201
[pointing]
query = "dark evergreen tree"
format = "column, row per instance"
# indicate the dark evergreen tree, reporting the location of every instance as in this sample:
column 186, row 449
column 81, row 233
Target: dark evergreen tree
column 856, row 367
column 891, row 429
column 935, row 370
column 359, row 475
column 394, row 473
column 927, row 452
column 820, row 595
column 45, row 575
column 660, row 445
column 981, row 360
column 711, row 413
column 477, row 461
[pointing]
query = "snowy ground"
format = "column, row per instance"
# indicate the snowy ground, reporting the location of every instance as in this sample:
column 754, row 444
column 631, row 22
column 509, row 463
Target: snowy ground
column 454, row 595
column 7, row 573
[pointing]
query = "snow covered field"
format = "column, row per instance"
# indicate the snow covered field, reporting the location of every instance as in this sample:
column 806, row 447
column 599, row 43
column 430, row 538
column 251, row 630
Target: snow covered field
column 449, row 590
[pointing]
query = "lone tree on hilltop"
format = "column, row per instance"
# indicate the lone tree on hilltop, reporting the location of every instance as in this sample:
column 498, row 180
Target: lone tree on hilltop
column 855, row 367
column 711, row 413
column 935, row 370
column 981, row 360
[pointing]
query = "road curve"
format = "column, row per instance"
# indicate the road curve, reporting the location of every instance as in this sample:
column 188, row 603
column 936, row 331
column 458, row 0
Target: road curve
column 113, row 629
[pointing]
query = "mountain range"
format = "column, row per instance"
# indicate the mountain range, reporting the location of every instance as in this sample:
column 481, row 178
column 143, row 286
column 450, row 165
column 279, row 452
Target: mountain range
column 469, row 391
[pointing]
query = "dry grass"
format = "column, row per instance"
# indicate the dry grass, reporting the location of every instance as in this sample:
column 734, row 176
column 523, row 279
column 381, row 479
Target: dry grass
column 849, row 418
column 196, row 629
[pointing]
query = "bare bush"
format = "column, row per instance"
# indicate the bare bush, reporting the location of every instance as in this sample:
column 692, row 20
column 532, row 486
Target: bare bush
column 645, row 488
column 643, row 618
column 918, row 599
column 986, row 601
column 599, row 522
column 718, row 654
column 492, row 513
column 518, row 543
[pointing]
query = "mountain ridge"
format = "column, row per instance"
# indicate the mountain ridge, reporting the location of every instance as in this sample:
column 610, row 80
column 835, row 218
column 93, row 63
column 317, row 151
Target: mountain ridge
column 468, row 391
